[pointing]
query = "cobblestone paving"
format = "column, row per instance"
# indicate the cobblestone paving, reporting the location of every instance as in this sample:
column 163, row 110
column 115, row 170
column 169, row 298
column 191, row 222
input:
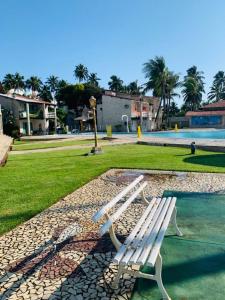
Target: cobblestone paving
column 80, row 267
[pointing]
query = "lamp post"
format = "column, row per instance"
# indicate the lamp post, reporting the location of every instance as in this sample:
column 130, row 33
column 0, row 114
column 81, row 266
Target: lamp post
column 96, row 149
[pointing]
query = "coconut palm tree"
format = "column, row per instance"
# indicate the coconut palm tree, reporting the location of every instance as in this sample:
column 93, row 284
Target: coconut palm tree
column 115, row 84
column 197, row 75
column 192, row 93
column 8, row 82
column 157, row 73
column 193, row 88
column 171, row 85
column 45, row 93
column 34, row 84
column 13, row 81
column 81, row 72
column 217, row 91
column 133, row 88
column 53, row 83
column 18, row 81
column 93, row 79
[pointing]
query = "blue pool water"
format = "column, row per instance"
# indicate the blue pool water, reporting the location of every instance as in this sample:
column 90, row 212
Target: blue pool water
column 211, row 134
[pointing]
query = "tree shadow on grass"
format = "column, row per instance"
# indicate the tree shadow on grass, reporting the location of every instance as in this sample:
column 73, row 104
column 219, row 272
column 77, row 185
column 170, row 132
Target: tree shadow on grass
column 214, row 160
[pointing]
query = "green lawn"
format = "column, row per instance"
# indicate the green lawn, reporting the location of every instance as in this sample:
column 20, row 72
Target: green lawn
column 24, row 145
column 30, row 183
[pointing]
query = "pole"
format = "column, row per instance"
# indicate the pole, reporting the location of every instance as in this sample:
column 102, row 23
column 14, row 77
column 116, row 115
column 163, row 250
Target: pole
column 28, row 118
column 141, row 117
column 95, row 128
column 1, row 122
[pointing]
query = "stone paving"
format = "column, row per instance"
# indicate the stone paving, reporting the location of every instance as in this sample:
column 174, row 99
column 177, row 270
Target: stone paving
column 80, row 267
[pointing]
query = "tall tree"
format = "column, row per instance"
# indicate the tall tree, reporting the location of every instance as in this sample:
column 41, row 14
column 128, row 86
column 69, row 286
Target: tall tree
column 93, row 79
column 34, row 84
column 8, row 82
column 193, row 88
column 18, row 81
column 133, row 88
column 157, row 74
column 81, row 72
column 172, row 84
column 115, row 84
column 197, row 75
column 13, row 81
column 53, row 83
column 192, row 93
column 45, row 93
column 217, row 90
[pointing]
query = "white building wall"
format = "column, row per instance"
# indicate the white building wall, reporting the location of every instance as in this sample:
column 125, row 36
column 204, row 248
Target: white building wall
column 110, row 112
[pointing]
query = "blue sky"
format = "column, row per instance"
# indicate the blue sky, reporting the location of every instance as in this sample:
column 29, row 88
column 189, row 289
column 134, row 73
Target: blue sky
column 111, row 37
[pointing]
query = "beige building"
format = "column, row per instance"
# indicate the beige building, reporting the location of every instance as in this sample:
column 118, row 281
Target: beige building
column 32, row 116
column 115, row 108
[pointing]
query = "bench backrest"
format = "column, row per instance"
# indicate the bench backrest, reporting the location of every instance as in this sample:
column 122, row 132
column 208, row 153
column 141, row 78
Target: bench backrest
column 104, row 211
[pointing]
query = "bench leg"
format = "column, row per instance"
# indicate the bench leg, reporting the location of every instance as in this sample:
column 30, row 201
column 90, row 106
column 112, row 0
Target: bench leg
column 115, row 283
column 158, row 277
column 174, row 221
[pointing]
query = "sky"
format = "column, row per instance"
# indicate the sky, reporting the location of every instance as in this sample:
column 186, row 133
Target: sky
column 51, row 37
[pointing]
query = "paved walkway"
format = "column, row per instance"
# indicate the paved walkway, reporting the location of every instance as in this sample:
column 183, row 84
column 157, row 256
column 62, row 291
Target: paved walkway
column 81, row 267
column 116, row 142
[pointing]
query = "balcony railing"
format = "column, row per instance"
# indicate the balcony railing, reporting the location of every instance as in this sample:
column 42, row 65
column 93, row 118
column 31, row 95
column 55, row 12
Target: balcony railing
column 50, row 115
column 33, row 115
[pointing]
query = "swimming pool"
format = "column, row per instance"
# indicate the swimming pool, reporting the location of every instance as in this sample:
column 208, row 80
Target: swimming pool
column 195, row 134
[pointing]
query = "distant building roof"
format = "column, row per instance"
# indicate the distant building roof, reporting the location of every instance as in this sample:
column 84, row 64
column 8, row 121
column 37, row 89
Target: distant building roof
column 128, row 96
column 26, row 99
column 218, row 104
column 205, row 113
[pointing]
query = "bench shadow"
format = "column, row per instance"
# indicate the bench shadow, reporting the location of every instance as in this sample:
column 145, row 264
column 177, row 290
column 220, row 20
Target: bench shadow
column 214, row 160
column 90, row 274
column 96, row 260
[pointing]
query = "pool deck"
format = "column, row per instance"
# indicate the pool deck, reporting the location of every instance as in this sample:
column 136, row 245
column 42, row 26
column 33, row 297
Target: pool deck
column 217, row 145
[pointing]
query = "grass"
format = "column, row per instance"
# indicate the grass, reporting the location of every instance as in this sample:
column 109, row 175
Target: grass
column 32, row 182
column 24, row 145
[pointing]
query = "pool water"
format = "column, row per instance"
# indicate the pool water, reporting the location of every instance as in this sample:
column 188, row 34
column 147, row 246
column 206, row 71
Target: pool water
column 211, row 134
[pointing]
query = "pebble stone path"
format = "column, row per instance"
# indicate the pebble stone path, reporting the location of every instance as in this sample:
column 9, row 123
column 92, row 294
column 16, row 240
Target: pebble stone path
column 80, row 267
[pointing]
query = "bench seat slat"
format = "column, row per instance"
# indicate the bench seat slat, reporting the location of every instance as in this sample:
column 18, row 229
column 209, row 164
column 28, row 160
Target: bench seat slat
column 136, row 229
column 109, row 205
column 158, row 242
column 152, row 237
column 123, row 207
column 136, row 252
column 139, row 237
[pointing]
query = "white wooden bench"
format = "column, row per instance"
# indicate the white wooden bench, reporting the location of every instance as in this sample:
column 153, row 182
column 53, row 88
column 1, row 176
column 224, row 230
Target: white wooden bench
column 142, row 246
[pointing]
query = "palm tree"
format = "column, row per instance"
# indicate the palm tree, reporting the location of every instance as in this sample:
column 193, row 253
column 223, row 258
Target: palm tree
column 217, row 90
column 193, row 88
column 45, row 93
column 62, row 83
column 14, row 82
column 8, row 82
column 53, row 83
column 81, row 72
column 133, row 88
column 171, row 85
column 192, row 93
column 116, row 84
column 18, row 81
column 157, row 74
column 34, row 84
column 93, row 79
column 197, row 75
